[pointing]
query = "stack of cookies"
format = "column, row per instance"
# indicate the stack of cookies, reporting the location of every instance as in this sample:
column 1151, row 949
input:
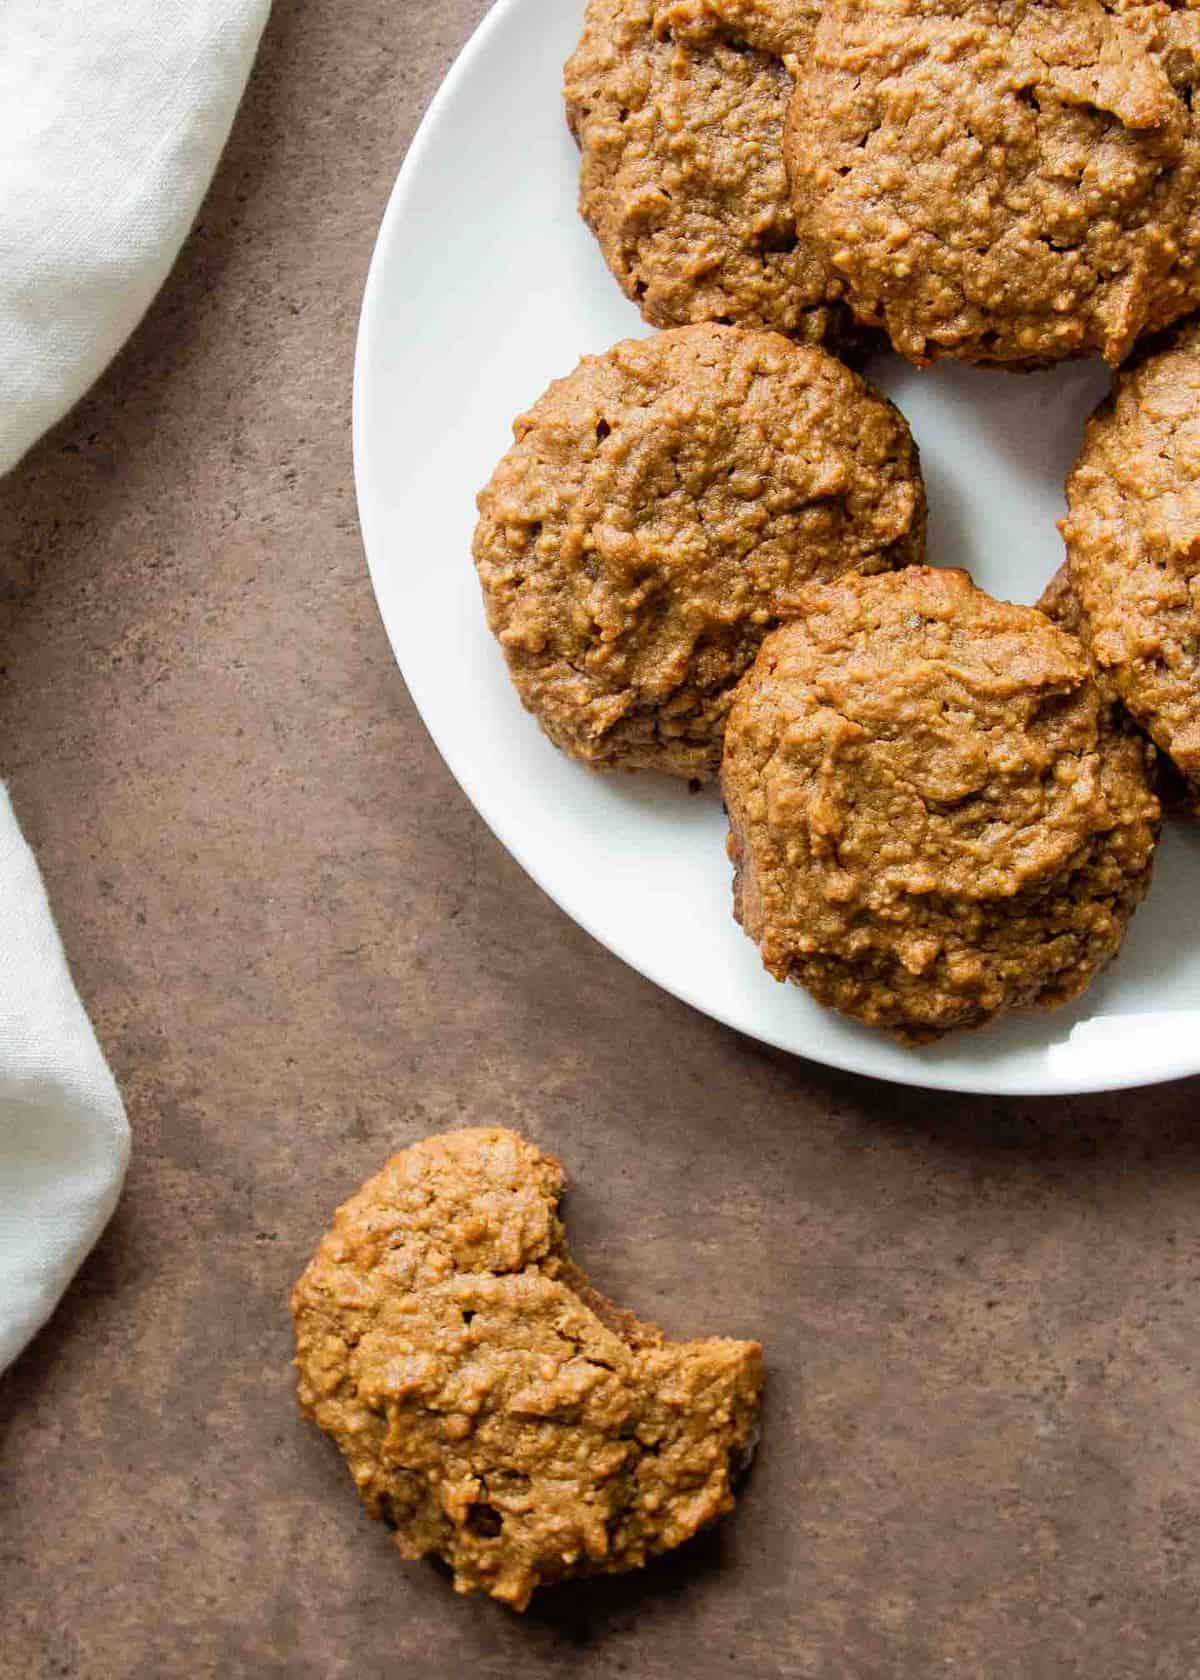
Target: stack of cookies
column 704, row 553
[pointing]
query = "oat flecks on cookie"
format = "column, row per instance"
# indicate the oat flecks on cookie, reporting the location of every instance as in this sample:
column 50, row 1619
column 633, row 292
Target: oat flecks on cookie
column 1133, row 547
column 934, row 815
column 658, row 506
column 1005, row 181
column 494, row 1409
column 678, row 107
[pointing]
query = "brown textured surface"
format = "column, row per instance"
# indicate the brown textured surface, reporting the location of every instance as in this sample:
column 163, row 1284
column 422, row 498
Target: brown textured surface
column 304, row 951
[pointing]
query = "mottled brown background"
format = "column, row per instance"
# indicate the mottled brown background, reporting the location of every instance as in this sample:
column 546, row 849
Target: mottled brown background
column 302, row 950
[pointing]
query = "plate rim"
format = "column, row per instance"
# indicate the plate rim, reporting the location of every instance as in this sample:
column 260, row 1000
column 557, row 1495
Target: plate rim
column 841, row 1059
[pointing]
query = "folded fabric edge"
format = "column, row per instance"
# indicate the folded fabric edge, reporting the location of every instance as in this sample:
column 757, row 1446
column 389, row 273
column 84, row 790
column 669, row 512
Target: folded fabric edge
column 36, row 356
column 57, row 1075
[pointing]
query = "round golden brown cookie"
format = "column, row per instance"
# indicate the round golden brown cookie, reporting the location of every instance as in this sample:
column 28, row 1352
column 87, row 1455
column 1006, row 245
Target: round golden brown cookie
column 1133, row 547
column 493, row 1409
column 678, row 107
column 933, row 815
column 1004, row 181
column 636, row 541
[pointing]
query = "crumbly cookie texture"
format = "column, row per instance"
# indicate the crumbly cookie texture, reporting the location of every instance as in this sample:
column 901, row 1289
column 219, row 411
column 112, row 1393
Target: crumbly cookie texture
column 1133, row 547
column 1003, row 181
column 657, row 507
column 495, row 1410
column 934, row 817
column 1060, row 603
column 678, row 107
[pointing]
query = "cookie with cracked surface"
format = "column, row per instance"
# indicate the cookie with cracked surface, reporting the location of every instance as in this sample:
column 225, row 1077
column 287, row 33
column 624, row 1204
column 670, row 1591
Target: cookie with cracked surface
column 934, row 816
column 634, row 543
column 678, row 107
column 1133, row 547
column 1003, row 181
column 493, row 1408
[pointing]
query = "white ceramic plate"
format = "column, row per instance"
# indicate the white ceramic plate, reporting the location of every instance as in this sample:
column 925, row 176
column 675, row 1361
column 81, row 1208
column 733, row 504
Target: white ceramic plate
column 485, row 285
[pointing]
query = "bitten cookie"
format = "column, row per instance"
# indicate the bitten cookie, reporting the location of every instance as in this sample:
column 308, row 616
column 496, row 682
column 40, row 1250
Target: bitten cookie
column 636, row 541
column 1133, row 547
column 934, row 817
column 494, row 1410
column 1005, row 181
column 678, row 107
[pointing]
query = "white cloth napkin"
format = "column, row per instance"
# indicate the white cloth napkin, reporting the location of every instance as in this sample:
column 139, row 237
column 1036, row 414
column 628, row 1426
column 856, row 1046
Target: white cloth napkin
column 64, row 1139
column 113, row 114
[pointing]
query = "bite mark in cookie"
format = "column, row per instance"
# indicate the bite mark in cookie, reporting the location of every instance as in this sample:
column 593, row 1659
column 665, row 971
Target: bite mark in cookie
column 494, row 1409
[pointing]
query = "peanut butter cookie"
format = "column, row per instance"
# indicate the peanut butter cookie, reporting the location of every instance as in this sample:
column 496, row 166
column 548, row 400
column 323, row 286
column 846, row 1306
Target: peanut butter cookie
column 934, row 816
column 635, row 543
column 494, row 1410
column 678, row 107
column 1005, row 181
column 1133, row 547
column 1060, row 603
